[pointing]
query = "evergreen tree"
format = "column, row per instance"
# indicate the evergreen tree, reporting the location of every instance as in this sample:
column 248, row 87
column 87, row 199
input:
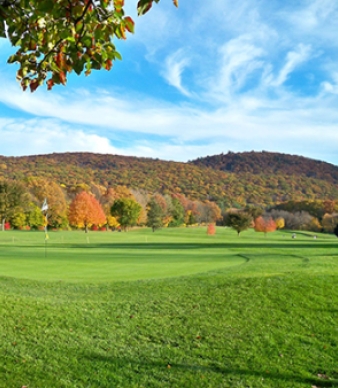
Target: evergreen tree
column 177, row 213
column 154, row 215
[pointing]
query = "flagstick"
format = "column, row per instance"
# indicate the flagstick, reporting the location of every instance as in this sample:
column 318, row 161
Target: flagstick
column 44, row 210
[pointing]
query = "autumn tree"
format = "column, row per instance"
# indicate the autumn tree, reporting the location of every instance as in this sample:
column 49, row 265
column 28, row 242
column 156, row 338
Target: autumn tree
column 41, row 188
column 85, row 211
column 254, row 211
column 112, row 222
column 155, row 215
column 239, row 221
column 330, row 222
column 264, row 224
column 142, row 197
column 280, row 223
column 53, row 38
column 294, row 221
column 210, row 212
column 127, row 211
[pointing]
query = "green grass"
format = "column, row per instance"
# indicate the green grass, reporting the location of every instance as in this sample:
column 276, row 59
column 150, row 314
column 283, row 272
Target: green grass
column 113, row 309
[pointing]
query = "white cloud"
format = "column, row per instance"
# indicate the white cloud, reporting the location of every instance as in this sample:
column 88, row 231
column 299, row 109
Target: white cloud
column 331, row 87
column 36, row 136
column 174, row 67
column 313, row 20
column 239, row 58
column 316, row 13
column 293, row 59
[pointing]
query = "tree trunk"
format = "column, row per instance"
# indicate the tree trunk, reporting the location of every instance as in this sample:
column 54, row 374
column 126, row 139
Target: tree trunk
column 3, row 224
column 86, row 228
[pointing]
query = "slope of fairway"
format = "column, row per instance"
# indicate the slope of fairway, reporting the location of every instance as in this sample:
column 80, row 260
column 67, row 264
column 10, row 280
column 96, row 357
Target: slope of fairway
column 141, row 254
column 261, row 312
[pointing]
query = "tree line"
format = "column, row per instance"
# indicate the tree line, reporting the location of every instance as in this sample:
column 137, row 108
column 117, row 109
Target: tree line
column 314, row 216
column 95, row 206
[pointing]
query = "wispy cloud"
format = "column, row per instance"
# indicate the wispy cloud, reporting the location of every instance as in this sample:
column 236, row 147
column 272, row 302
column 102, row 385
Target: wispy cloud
column 238, row 59
column 293, row 59
column 331, row 86
column 173, row 69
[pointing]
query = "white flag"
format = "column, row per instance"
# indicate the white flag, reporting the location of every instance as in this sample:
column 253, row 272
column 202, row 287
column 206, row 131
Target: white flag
column 44, row 205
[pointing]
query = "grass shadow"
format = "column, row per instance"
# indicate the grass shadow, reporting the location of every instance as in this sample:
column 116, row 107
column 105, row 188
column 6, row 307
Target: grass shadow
column 150, row 365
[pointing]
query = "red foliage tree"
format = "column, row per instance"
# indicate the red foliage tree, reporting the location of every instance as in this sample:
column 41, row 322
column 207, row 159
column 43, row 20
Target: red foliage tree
column 211, row 229
column 265, row 225
column 85, row 210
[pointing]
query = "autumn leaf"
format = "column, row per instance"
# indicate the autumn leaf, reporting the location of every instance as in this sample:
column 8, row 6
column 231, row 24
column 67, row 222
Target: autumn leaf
column 129, row 24
column 34, row 84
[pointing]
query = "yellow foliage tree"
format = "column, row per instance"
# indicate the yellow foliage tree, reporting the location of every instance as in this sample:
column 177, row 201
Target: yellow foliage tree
column 280, row 223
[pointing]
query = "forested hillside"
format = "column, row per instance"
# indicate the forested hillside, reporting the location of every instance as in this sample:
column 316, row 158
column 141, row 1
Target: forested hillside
column 231, row 179
column 269, row 163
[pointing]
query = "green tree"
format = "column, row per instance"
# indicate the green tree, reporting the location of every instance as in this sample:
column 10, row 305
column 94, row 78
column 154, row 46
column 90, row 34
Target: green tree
column 12, row 200
column 55, row 37
column 127, row 211
column 177, row 213
column 155, row 215
column 19, row 220
column 35, row 217
column 239, row 221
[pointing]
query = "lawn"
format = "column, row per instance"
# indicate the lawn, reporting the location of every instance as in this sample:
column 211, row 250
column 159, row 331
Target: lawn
column 174, row 308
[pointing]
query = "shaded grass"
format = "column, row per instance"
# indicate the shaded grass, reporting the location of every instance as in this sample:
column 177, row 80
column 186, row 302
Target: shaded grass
column 268, row 321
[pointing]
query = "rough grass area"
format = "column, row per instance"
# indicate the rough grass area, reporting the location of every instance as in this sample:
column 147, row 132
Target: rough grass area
column 100, row 311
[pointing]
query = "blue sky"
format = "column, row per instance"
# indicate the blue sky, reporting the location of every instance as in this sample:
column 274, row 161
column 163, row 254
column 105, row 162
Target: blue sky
column 209, row 77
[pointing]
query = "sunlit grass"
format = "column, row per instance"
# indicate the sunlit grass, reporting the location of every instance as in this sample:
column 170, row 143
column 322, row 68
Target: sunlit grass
column 175, row 308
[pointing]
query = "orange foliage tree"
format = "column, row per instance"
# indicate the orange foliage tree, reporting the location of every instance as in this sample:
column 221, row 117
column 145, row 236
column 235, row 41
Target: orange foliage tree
column 265, row 225
column 85, row 210
column 211, row 229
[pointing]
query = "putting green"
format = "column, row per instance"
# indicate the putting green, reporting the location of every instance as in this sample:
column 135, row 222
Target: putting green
column 99, row 260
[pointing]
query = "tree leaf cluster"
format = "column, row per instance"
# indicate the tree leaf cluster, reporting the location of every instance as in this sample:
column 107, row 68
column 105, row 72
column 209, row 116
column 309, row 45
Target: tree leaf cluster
column 54, row 38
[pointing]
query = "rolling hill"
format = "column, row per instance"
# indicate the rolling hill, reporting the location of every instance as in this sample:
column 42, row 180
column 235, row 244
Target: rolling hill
column 270, row 163
column 232, row 179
